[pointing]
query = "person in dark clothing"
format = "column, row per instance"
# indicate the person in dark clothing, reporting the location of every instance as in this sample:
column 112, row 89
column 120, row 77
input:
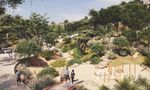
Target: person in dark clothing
column 72, row 76
column 18, row 77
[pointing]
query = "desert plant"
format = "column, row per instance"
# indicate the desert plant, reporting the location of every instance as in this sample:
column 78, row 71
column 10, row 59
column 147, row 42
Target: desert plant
column 103, row 87
column 58, row 63
column 126, row 84
column 147, row 60
column 48, row 71
column 95, row 60
column 77, row 53
column 47, row 54
column 87, row 57
column 73, row 61
column 112, row 56
column 98, row 49
column 28, row 48
column 66, row 48
column 41, row 83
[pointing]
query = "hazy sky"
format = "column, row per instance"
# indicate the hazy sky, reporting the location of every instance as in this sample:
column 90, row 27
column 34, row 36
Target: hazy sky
column 59, row 10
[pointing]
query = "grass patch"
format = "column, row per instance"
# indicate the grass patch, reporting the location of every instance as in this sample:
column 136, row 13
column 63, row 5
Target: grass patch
column 127, row 60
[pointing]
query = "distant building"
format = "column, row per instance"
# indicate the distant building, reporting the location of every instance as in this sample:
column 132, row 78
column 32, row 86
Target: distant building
column 145, row 1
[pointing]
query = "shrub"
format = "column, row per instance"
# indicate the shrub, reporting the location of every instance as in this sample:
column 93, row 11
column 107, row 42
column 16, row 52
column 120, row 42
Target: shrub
column 112, row 56
column 77, row 53
column 73, row 61
column 98, row 49
column 67, row 40
column 28, row 48
column 147, row 60
column 47, row 54
column 58, row 63
column 121, row 42
column 87, row 57
column 95, row 60
column 103, row 87
column 48, row 71
column 40, row 83
column 66, row 48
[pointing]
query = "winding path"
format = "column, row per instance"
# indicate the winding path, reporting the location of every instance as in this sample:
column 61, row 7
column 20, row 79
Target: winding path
column 7, row 76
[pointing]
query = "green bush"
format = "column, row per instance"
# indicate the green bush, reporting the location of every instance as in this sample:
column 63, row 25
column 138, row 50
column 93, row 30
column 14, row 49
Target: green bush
column 112, row 56
column 147, row 60
column 67, row 40
column 28, row 48
column 66, row 48
column 47, row 54
column 95, row 60
column 87, row 57
column 73, row 61
column 98, row 49
column 41, row 83
column 103, row 87
column 58, row 63
column 48, row 71
column 77, row 53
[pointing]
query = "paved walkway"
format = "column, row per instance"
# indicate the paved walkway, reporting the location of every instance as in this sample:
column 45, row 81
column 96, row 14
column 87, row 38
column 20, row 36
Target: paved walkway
column 7, row 76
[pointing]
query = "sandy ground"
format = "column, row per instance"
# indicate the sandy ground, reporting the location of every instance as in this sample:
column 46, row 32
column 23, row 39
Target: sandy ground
column 7, row 76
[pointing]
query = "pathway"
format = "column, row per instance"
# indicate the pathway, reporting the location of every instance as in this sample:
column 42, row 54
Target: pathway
column 7, row 76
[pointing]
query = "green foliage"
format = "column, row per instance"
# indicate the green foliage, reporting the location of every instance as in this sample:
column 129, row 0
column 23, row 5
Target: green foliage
column 27, row 48
column 77, row 53
column 98, row 49
column 95, row 60
column 58, row 63
column 131, row 35
column 47, row 54
column 66, row 48
column 50, row 38
column 41, row 83
column 121, row 42
column 87, row 57
column 112, row 56
column 147, row 60
column 48, row 71
column 73, row 61
column 67, row 40
column 103, row 87
column 126, row 84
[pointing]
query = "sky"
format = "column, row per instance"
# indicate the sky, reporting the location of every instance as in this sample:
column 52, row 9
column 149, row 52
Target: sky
column 60, row 10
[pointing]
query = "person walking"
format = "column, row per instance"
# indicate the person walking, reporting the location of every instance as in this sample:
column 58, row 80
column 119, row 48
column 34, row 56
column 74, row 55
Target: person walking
column 67, row 75
column 18, row 77
column 72, row 76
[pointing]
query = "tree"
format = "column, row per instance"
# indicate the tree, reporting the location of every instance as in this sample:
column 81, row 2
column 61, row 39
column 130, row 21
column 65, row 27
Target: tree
column 133, row 15
column 11, row 3
column 38, row 27
column 28, row 48
column 50, row 38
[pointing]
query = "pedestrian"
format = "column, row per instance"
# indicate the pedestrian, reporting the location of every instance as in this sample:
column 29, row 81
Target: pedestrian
column 18, row 77
column 72, row 76
column 67, row 75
